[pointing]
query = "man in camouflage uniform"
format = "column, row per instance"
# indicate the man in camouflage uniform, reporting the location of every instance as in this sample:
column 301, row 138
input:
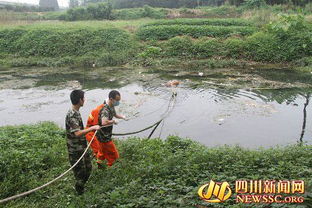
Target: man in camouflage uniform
column 76, row 141
column 107, row 148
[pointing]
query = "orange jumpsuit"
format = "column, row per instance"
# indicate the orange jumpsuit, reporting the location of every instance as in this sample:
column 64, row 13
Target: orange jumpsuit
column 102, row 150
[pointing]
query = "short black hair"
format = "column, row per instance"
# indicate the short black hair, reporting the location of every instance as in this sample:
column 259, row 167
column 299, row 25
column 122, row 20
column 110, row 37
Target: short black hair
column 113, row 94
column 75, row 96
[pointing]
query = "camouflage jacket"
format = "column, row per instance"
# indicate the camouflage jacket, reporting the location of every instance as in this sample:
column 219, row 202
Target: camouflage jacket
column 105, row 135
column 73, row 123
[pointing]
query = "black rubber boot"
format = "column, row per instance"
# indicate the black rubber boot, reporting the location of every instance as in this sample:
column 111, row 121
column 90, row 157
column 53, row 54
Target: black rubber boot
column 79, row 188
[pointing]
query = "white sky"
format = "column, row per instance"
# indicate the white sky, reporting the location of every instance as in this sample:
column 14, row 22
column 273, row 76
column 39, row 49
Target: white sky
column 62, row 3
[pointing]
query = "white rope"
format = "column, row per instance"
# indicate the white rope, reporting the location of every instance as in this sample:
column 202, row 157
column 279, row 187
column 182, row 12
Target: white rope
column 60, row 176
column 52, row 181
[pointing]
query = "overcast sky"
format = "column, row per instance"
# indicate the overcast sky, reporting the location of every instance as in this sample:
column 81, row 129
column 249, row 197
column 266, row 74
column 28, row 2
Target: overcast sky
column 62, row 3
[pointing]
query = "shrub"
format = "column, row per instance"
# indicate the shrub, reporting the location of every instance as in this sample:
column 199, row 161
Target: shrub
column 163, row 32
column 8, row 38
column 54, row 43
column 252, row 4
column 75, row 14
column 179, row 46
column 151, row 51
column 55, row 15
column 108, row 46
column 293, row 34
column 286, row 39
column 152, row 13
column 136, row 13
column 306, row 61
column 96, row 11
column 149, row 173
column 262, row 47
column 205, row 48
column 234, row 48
column 99, row 11
column 127, row 14
column 222, row 11
column 29, row 155
column 215, row 22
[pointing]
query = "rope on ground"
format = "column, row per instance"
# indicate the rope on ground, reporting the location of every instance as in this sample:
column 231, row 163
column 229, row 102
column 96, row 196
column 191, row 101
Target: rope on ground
column 60, row 176
column 50, row 182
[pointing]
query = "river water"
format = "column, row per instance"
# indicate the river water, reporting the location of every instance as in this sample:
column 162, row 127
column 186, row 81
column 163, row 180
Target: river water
column 249, row 107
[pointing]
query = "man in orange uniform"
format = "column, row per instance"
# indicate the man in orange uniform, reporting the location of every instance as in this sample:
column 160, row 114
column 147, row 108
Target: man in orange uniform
column 103, row 147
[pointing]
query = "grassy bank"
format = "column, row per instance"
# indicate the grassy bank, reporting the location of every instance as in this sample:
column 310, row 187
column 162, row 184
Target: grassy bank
column 147, row 42
column 53, row 45
column 284, row 40
column 150, row 173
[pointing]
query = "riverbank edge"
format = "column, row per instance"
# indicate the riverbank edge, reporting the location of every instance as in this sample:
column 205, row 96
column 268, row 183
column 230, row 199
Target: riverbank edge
column 165, row 172
column 163, row 63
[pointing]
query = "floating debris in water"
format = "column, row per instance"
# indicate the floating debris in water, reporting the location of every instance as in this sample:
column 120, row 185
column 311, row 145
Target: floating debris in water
column 172, row 83
column 73, row 84
column 220, row 119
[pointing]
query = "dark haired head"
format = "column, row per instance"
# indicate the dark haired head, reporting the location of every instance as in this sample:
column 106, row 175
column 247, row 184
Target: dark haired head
column 113, row 94
column 76, row 95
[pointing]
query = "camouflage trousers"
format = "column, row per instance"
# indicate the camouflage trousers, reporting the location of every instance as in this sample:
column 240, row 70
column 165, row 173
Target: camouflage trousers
column 83, row 169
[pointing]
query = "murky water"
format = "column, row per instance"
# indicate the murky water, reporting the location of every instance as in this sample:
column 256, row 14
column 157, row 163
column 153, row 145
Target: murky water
column 249, row 107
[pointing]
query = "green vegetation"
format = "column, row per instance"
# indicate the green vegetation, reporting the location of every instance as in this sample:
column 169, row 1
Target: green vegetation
column 215, row 22
column 257, row 14
column 92, row 11
column 7, row 17
column 285, row 40
column 164, row 32
column 102, row 11
column 70, row 46
column 261, row 35
column 194, row 4
column 150, row 172
column 136, row 13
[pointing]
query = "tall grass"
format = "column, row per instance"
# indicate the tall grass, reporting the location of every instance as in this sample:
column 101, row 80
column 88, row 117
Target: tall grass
column 17, row 18
column 149, row 173
column 164, row 32
column 71, row 43
column 203, row 21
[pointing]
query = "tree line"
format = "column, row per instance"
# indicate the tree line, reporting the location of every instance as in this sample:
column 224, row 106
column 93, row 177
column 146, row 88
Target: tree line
column 197, row 3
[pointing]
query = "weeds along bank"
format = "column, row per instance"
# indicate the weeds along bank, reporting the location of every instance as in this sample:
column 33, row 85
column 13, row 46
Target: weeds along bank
column 150, row 173
column 256, row 10
column 59, row 45
column 227, row 42
column 283, row 41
